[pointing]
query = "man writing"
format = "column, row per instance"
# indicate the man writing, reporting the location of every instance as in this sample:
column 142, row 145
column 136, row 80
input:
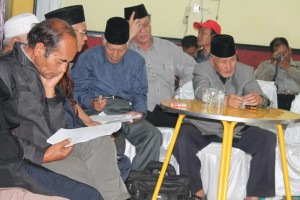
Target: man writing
column 116, row 75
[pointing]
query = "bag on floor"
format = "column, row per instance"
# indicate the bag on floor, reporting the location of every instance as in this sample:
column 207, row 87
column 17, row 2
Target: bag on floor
column 141, row 184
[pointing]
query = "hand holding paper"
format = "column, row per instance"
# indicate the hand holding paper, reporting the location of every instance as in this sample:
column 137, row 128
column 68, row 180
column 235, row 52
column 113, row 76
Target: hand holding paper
column 83, row 134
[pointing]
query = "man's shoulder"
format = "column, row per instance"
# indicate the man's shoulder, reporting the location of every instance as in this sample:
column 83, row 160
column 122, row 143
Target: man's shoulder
column 160, row 42
column 132, row 54
column 243, row 70
column 92, row 50
column 8, row 62
column 204, row 66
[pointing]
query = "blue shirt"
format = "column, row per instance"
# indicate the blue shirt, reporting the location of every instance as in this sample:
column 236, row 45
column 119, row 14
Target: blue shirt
column 94, row 75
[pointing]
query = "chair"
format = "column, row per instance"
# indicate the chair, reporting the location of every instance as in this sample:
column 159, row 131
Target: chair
column 292, row 147
column 210, row 155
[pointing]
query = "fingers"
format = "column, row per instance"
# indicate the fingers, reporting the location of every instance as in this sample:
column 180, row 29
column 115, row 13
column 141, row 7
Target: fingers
column 99, row 103
column 58, row 151
column 131, row 17
column 252, row 99
column 65, row 142
column 235, row 101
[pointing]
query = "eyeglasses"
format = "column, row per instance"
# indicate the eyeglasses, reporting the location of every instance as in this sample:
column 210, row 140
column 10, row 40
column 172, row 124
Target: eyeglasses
column 82, row 32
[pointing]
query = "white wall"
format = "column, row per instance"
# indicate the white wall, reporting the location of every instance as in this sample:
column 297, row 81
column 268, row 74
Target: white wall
column 254, row 22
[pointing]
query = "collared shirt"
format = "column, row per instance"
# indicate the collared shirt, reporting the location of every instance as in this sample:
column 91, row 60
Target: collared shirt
column 201, row 57
column 286, row 81
column 94, row 75
column 164, row 60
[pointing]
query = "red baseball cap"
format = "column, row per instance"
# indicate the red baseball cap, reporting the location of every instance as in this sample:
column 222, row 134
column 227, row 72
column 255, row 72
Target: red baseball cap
column 208, row 24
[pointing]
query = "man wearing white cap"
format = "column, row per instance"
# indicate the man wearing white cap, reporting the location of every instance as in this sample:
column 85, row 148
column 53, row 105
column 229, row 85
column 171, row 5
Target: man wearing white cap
column 16, row 29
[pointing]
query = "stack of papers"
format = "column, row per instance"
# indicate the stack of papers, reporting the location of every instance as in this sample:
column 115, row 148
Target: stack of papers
column 103, row 118
column 84, row 134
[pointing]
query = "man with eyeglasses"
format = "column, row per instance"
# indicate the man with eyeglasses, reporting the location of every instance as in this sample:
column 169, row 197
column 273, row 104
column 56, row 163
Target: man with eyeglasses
column 164, row 61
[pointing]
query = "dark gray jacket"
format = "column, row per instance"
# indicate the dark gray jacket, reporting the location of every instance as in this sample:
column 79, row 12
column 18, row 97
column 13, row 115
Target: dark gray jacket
column 39, row 117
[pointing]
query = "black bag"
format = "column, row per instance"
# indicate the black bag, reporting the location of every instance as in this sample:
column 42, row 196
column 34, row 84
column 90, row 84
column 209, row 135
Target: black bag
column 141, row 184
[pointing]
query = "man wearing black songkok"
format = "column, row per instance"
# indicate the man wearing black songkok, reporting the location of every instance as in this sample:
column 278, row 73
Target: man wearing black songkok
column 223, row 72
column 116, row 74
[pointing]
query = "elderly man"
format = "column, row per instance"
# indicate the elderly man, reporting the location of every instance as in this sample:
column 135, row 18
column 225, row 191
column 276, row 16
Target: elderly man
column 164, row 61
column 74, row 15
column 206, row 31
column 15, row 171
column 32, row 76
column 283, row 70
column 117, row 75
column 223, row 72
column 16, row 29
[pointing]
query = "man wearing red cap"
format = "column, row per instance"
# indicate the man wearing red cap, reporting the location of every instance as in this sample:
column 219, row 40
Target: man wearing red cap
column 205, row 32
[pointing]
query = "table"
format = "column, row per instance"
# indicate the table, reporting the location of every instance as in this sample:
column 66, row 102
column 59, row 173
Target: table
column 229, row 118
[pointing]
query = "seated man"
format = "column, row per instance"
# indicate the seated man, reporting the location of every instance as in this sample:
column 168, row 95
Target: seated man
column 115, row 74
column 74, row 114
column 283, row 70
column 15, row 171
column 32, row 72
column 223, row 72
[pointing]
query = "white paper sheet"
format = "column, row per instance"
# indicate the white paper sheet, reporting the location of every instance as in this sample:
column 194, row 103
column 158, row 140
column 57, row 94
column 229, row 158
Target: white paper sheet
column 84, row 134
column 104, row 118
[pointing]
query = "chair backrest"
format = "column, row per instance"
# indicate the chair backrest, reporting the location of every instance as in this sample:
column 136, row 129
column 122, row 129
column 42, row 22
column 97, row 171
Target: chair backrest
column 292, row 133
column 269, row 89
column 186, row 91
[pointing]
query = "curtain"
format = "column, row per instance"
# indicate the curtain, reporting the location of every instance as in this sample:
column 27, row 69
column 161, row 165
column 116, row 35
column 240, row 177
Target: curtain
column 2, row 16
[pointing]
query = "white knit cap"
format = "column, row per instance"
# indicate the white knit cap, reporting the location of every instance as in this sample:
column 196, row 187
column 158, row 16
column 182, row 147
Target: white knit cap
column 19, row 24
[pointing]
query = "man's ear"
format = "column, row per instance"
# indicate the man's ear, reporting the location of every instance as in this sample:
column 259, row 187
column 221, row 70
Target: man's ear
column 39, row 49
column 290, row 50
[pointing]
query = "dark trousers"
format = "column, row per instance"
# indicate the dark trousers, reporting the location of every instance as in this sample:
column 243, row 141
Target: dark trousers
column 60, row 184
column 285, row 101
column 144, row 136
column 159, row 118
column 258, row 142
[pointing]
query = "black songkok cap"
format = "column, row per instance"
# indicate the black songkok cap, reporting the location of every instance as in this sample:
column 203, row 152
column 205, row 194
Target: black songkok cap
column 140, row 12
column 222, row 46
column 117, row 31
column 71, row 14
